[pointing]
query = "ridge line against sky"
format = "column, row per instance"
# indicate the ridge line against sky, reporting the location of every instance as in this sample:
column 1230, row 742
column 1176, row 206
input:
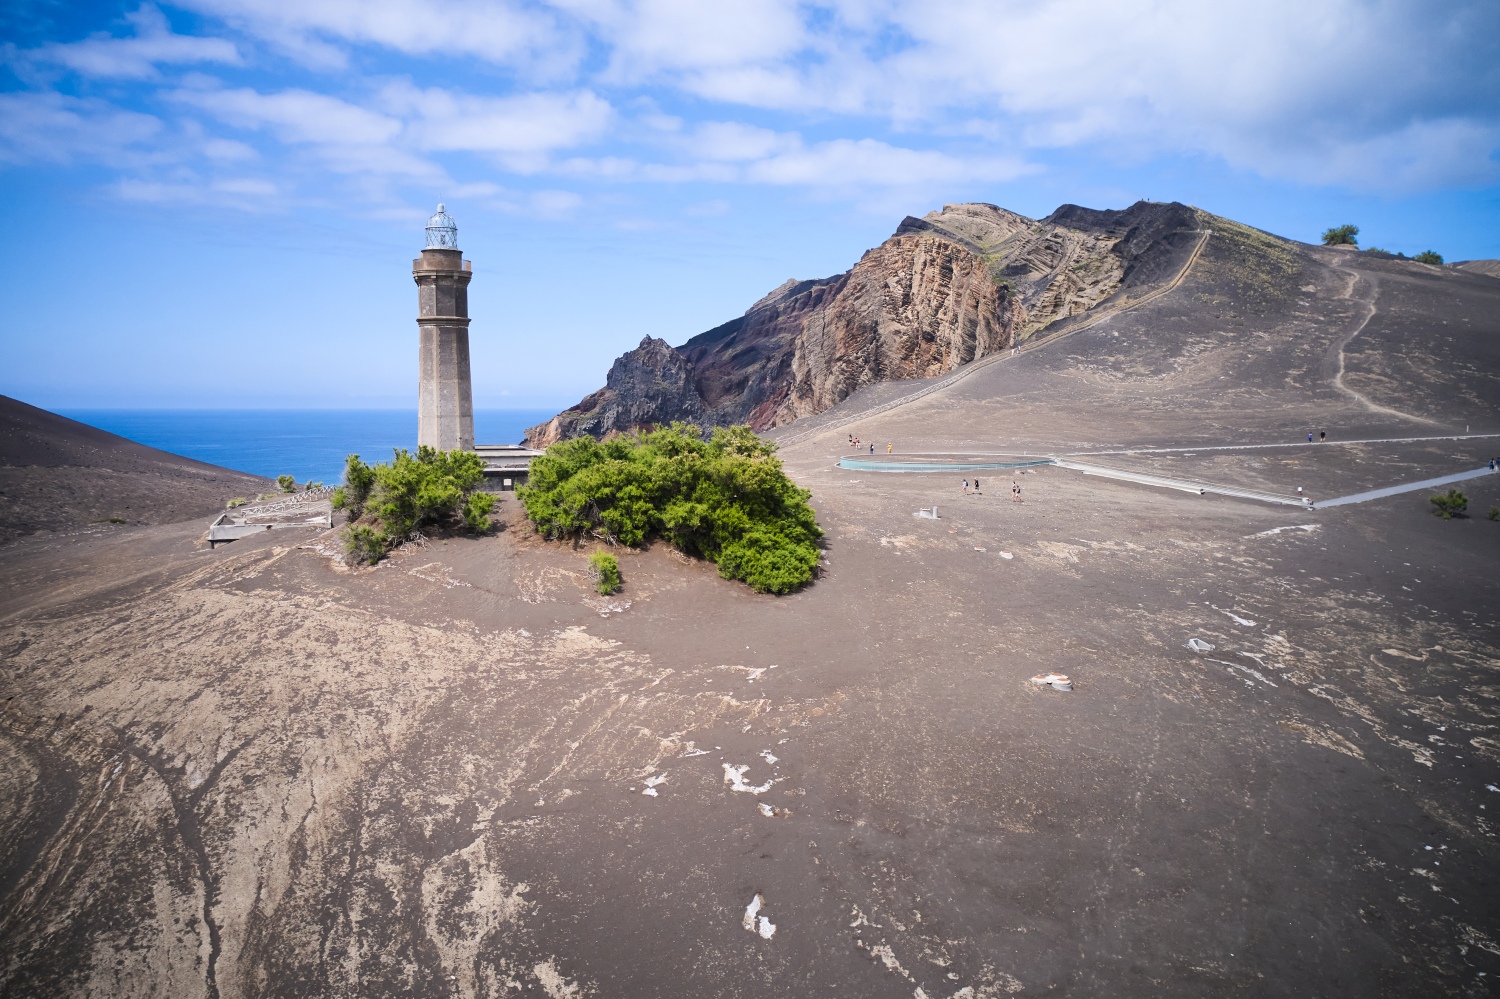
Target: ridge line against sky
column 707, row 149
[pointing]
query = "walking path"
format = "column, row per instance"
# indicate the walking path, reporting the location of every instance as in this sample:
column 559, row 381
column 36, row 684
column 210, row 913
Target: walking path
column 978, row 463
column 1409, row 487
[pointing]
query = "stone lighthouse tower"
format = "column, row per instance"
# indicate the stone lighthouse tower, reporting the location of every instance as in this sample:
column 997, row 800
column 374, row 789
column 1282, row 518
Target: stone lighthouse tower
column 445, row 394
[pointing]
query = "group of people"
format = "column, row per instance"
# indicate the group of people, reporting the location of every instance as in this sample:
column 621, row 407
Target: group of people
column 1015, row 490
column 1322, row 436
column 856, row 443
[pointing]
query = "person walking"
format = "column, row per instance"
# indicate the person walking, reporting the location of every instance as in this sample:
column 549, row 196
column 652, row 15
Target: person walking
column 976, row 487
column 872, row 448
column 966, row 487
column 889, row 448
column 1309, row 437
column 1322, row 436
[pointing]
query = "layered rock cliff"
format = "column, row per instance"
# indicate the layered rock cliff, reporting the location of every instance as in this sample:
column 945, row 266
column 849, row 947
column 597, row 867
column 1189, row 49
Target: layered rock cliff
column 944, row 290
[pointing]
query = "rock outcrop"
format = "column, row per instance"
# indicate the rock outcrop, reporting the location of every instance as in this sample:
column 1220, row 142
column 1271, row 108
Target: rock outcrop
column 944, row 290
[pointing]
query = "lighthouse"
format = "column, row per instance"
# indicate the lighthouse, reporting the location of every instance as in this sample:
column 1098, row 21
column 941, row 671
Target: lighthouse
column 445, row 392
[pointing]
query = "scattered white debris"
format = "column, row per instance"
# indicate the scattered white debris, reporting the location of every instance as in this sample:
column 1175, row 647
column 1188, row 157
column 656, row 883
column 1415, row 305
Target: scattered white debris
column 735, row 778
column 1199, row 645
column 1309, row 528
column 978, row 549
column 1006, row 555
column 1244, row 669
column 1057, row 681
column 768, row 756
column 693, row 751
column 1491, row 787
column 652, row 782
column 755, row 922
column 767, row 810
column 1244, row 622
column 927, row 514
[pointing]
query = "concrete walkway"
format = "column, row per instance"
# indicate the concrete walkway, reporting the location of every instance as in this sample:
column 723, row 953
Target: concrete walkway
column 1409, row 487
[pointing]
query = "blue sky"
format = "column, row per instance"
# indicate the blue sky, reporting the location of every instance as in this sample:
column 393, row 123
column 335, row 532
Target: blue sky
column 216, row 202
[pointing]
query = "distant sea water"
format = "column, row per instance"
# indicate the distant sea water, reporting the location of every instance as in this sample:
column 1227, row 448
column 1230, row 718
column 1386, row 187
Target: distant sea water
column 308, row 444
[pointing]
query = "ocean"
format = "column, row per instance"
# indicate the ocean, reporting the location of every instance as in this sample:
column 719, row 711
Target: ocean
column 307, row 444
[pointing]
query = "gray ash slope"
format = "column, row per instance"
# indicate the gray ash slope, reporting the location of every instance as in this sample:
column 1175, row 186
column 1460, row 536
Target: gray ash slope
column 57, row 473
column 960, row 284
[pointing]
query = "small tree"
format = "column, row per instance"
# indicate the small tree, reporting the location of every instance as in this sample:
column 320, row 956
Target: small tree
column 1429, row 257
column 286, row 483
column 606, row 572
column 1341, row 235
column 1450, row 504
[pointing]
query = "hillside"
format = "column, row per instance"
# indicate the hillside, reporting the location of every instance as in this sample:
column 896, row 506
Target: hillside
column 57, row 473
column 954, row 286
column 1489, row 267
column 252, row 772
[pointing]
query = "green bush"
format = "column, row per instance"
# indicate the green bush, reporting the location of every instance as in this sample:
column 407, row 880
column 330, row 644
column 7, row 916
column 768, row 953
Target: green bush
column 1495, row 513
column 1429, row 257
column 364, row 543
column 386, row 503
column 237, row 501
column 726, row 499
column 339, row 498
column 286, row 483
column 477, row 511
column 606, row 572
column 1450, row 504
column 311, row 485
column 1341, row 235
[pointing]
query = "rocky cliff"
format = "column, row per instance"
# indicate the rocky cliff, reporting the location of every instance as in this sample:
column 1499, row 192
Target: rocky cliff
column 944, row 290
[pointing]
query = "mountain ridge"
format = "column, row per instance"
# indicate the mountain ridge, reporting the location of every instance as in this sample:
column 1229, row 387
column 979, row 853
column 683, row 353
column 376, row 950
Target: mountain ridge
column 958, row 284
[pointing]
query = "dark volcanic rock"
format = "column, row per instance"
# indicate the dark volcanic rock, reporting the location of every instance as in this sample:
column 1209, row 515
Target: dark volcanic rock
column 645, row 387
column 944, row 290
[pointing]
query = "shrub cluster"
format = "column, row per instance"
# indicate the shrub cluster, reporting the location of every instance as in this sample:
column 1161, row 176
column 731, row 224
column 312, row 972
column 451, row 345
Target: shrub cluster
column 386, row 503
column 1341, row 235
column 1425, row 257
column 1450, row 504
column 286, row 483
column 726, row 499
column 606, row 572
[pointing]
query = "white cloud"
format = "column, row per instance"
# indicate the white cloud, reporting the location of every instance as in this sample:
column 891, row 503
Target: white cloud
column 866, row 162
column 298, row 116
column 54, row 128
column 649, row 36
column 733, row 141
column 154, row 43
column 494, row 31
column 520, row 130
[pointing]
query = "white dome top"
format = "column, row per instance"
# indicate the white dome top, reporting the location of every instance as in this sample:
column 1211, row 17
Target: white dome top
column 442, row 231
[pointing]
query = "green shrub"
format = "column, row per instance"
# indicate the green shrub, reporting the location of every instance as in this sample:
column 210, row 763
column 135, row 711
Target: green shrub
column 237, row 501
column 1450, row 504
column 606, row 572
column 1341, row 235
column 387, row 503
column 364, row 543
column 311, row 485
column 286, row 483
column 1429, row 257
column 477, row 511
column 339, row 498
column 1495, row 513
column 726, row 499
